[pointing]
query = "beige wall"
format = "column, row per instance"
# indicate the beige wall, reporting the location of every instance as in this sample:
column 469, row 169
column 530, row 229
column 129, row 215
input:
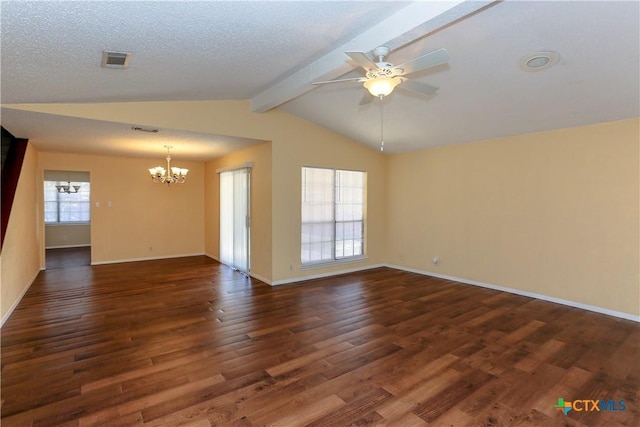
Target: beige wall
column 322, row 148
column 295, row 143
column 20, row 261
column 553, row 213
column 60, row 236
column 145, row 220
column 261, row 241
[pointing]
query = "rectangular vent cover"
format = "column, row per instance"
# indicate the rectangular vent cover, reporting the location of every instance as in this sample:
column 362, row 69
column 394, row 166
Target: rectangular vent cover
column 115, row 59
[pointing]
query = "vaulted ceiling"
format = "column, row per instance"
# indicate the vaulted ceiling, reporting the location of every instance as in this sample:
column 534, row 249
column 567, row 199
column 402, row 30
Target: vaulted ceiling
column 271, row 52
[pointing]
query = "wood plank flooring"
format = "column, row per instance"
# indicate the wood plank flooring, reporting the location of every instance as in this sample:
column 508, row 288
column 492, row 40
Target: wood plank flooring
column 68, row 257
column 191, row 342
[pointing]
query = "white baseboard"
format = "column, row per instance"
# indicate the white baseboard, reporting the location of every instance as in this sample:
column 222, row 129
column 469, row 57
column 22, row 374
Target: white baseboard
column 17, row 301
column 322, row 275
column 542, row 297
column 255, row 276
column 119, row 261
column 302, row 278
column 262, row 279
column 212, row 256
column 68, row 246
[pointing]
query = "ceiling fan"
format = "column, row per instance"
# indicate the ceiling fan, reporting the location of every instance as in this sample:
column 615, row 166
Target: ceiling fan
column 382, row 77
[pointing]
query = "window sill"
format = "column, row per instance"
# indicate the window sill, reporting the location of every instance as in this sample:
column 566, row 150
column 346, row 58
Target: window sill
column 323, row 264
column 61, row 224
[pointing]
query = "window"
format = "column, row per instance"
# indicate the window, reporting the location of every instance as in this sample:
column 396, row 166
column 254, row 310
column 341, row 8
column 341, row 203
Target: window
column 332, row 215
column 66, row 208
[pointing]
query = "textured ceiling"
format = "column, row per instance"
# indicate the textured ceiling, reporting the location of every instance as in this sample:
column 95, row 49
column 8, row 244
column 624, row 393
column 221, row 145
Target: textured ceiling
column 268, row 52
column 203, row 50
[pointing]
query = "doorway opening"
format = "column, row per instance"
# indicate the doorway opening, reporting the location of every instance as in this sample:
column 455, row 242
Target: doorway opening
column 67, row 218
column 235, row 221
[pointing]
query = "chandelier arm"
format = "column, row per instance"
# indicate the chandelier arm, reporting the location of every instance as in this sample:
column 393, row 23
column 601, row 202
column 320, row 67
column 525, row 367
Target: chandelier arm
column 169, row 175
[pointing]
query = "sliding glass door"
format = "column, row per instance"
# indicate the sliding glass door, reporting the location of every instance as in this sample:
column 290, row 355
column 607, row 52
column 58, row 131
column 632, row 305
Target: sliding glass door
column 234, row 218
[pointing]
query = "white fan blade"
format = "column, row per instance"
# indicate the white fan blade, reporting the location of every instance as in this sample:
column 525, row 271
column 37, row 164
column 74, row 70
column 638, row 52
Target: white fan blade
column 354, row 79
column 431, row 59
column 417, row 87
column 362, row 60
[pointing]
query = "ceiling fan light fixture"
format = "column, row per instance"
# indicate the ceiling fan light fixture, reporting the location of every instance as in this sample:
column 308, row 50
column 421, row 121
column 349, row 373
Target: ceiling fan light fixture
column 382, row 86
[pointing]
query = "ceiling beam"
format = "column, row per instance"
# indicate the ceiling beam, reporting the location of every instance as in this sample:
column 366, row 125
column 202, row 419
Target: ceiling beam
column 408, row 24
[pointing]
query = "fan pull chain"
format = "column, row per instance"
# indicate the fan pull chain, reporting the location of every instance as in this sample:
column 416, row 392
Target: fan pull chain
column 381, row 126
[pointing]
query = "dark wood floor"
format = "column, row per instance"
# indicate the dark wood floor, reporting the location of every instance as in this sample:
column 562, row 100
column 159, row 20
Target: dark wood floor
column 190, row 342
column 68, row 257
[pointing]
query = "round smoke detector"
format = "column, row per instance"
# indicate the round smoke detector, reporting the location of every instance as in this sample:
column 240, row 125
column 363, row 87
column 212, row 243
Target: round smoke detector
column 539, row 61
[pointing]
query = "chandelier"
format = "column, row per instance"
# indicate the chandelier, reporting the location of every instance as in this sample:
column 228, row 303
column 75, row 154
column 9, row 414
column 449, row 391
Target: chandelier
column 68, row 188
column 170, row 175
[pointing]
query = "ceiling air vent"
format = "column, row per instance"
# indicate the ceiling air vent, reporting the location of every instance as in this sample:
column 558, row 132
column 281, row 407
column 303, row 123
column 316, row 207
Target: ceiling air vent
column 115, row 59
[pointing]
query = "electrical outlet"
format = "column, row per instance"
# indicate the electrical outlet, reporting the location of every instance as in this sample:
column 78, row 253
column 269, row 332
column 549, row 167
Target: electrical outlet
column 436, row 260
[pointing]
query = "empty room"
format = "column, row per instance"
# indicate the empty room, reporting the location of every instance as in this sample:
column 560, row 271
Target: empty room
column 323, row 213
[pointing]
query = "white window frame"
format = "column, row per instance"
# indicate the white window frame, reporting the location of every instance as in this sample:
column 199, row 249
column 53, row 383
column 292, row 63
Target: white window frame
column 85, row 190
column 333, row 216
